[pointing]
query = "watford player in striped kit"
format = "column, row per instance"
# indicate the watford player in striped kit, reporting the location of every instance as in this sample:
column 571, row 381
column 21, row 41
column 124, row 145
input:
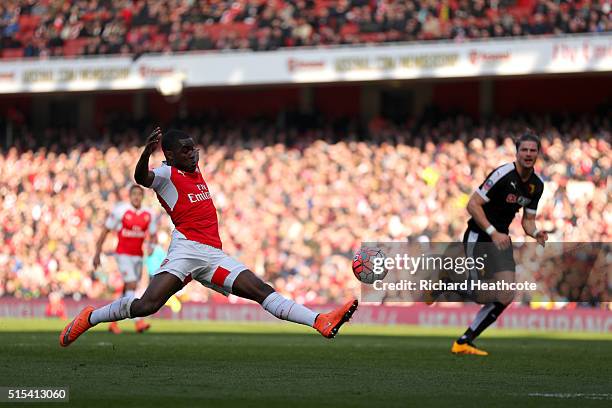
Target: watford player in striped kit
column 196, row 250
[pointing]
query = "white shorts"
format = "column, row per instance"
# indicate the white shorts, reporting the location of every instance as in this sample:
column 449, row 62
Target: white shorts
column 208, row 265
column 130, row 267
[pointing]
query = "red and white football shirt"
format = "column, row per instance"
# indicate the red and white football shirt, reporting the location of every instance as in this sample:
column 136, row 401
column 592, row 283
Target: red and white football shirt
column 186, row 198
column 131, row 225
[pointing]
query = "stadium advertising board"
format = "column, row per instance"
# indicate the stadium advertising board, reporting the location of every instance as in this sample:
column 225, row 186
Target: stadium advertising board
column 418, row 314
column 367, row 63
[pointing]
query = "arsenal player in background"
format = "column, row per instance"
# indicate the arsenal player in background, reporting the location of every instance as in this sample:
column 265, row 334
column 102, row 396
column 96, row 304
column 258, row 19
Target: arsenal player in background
column 132, row 222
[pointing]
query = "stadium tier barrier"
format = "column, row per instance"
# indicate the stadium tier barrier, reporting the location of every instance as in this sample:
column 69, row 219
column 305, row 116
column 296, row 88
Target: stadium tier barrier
column 516, row 317
column 549, row 55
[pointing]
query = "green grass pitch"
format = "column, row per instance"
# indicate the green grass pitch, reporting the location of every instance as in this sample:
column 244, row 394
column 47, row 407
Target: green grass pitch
column 208, row 364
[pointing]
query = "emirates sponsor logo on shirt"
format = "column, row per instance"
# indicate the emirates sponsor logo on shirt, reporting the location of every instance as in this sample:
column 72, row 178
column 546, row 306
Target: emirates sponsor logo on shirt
column 130, row 233
column 204, row 194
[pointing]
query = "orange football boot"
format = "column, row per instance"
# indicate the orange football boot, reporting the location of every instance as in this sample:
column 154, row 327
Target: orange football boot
column 76, row 327
column 467, row 348
column 328, row 324
column 113, row 327
column 141, row 326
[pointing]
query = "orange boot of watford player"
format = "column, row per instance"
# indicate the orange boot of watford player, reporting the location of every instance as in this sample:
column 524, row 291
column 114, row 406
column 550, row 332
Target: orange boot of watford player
column 467, row 348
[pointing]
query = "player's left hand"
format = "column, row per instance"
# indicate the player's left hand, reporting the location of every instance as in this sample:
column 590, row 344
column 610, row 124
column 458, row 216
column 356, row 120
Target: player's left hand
column 153, row 140
column 542, row 237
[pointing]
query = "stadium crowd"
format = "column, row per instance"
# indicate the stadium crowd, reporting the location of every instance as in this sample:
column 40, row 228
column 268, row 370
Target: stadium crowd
column 294, row 203
column 40, row 28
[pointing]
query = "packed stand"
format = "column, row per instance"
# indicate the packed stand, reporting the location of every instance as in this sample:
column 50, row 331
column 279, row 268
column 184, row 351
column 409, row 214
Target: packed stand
column 43, row 28
column 294, row 203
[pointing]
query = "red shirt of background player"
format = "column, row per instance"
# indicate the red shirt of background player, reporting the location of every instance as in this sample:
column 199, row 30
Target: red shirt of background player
column 131, row 225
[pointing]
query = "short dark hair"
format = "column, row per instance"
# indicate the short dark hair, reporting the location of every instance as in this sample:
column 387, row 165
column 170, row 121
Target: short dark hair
column 136, row 187
column 170, row 139
column 527, row 137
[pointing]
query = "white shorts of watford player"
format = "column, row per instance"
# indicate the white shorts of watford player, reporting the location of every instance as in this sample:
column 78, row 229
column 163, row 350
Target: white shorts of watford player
column 208, row 265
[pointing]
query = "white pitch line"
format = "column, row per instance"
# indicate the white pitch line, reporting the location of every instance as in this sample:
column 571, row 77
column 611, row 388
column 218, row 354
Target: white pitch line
column 591, row 396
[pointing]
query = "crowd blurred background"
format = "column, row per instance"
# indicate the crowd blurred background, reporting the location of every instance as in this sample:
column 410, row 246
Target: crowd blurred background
column 295, row 201
column 41, row 28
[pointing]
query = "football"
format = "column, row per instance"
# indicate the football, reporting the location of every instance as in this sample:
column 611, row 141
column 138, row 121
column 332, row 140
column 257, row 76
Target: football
column 368, row 265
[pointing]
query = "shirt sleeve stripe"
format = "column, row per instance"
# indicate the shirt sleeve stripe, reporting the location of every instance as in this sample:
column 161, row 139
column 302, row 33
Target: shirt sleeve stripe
column 483, row 195
column 494, row 178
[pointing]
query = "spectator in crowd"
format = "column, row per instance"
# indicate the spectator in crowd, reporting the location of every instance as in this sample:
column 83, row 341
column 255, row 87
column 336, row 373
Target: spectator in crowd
column 153, row 26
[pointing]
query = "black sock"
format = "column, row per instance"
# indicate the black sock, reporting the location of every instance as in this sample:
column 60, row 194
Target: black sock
column 492, row 310
column 466, row 337
column 490, row 318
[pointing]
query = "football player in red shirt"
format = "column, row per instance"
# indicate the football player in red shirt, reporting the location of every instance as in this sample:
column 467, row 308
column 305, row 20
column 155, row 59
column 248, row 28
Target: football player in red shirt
column 196, row 250
column 132, row 223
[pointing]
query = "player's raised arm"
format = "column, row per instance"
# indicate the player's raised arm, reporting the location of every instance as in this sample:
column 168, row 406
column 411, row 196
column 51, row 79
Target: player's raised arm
column 142, row 174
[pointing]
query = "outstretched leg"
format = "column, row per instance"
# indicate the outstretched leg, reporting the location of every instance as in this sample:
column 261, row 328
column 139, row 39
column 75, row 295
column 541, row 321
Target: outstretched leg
column 160, row 289
column 129, row 288
column 162, row 286
column 247, row 285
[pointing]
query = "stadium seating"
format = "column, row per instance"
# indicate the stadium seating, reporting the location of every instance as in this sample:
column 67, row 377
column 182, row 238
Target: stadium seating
column 293, row 210
column 43, row 29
